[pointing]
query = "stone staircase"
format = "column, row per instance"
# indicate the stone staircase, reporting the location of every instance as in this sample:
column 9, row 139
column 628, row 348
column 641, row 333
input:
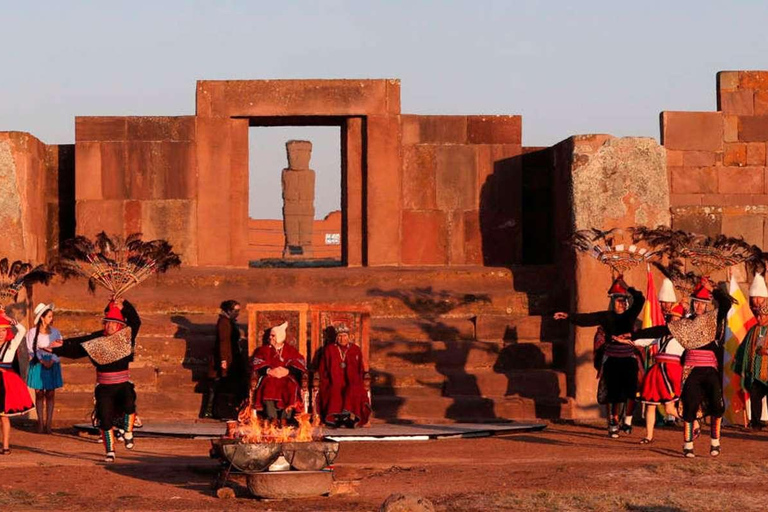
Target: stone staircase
column 467, row 344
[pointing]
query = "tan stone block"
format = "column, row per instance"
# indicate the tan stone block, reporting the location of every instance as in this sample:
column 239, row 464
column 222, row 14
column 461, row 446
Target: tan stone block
column 748, row 226
column 692, row 130
column 693, row 180
column 674, row 158
column 761, row 103
column 88, row 171
column 741, row 102
column 100, row 129
column 698, row 159
column 753, row 80
column 456, row 177
column 728, row 80
column 756, row 153
column 741, row 180
column 419, row 177
column 753, row 129
column 730, row 128
column 494, row 129
column 424, row 238
column 96, row 216
column 735, row 154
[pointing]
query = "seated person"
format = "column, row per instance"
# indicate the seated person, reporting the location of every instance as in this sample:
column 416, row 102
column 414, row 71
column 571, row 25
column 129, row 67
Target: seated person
column 343, row 396
column 276, row 371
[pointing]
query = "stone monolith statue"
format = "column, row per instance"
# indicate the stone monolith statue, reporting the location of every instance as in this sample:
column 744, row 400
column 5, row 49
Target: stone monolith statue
column 298, row 200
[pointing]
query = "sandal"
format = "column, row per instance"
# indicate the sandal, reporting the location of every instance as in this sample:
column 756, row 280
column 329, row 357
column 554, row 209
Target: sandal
column 613, row 431
column 714, row 451
column 688, row 453
column 645, row 440
column 128, row 438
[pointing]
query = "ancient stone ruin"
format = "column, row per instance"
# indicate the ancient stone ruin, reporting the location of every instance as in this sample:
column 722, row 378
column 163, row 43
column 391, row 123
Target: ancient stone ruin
column 298, row 182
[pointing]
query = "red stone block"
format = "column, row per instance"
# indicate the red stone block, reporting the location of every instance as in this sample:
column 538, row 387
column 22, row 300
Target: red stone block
column 740, row 102
column 693, row 180
column 96, row 216
column 730, row 128
column 753, row 80
column 756, row 153
column 748, row 226
column 144, row 166
column 181, row 178
column 495, row 129
column 132, row 215
column 88, row 171
column 726, row 199
column 753, row 129
column 113, row 175
column 424, row 238
column 692, row 130
column 675, row 158
column 741, row 180
column 727, row 80
column 173, row 220
column 735, row 154
column 473, row 239
column 410, row 129
column 456, row 246
column 161, row 128
column 456, row 177
column 685, row 199
column 393, row 96
column 761, row 103
column 698, row 159
column 442, row 129
column 419, row 177
column 100, row 128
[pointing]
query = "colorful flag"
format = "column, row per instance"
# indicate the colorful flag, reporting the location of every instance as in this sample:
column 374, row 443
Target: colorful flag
column 740, row 320
column 652, row 316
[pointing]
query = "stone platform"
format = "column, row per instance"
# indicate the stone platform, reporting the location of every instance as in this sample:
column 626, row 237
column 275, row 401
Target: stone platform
column 377, row 432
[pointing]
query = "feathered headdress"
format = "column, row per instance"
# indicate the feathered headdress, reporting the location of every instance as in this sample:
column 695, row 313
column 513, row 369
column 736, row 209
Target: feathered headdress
column 709, row 254
column 606, row 248
column 674, row 270
column 14, row 276
column 116, row 264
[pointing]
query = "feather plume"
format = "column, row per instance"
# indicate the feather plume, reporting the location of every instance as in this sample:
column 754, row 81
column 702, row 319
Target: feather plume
column 15, row 276
column 609, row 248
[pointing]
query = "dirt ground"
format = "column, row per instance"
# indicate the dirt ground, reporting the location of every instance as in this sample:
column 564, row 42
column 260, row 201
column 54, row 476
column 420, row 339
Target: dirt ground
column 566, row 467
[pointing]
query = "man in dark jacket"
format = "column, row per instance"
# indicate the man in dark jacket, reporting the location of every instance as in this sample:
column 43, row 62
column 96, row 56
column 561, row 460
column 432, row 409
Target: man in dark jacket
column 230, row 386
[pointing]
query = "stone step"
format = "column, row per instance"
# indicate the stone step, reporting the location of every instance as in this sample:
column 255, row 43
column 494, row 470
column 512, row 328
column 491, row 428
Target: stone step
column 479, row 382
column 422, row 329
column 157, row 406
column 513, row 328
column 468, row 409
column 465, row 354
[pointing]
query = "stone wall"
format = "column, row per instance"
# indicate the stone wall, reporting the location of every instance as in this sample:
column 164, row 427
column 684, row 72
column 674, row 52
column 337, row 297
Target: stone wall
column 266, row 238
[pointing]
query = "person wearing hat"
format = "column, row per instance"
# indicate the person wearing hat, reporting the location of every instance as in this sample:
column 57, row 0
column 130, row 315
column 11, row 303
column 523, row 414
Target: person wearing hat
column 751, row 359
column 276, row 371
column 111, row 352
column 616, row 360
column 14, row 396
column 44, row 374
column 702, row 335
column 343, row 398
column 661, row 384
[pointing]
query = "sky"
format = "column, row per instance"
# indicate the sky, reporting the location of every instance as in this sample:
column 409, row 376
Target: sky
column 567, row 67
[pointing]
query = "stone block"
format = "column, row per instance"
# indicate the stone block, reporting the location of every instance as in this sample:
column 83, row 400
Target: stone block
column 748, row 226
column 692, row 131
column 740, row 102
column 693, row 180
column 456, row 247
column 419, row 177
column 675, row 158
column 753, row 80
column 726, row 199
column 685, row 199
column 730, row 128
column 697, row 158
column 180, row 180
column 753, row 129
column 456, row 177
column 100, row 129
column 393, row 96
column 145, row 170
column 161, row 128
column 424, row 238
column 94, row 216
column 755, row 153
column 735, row 154
column 174, row 220
column 473, row 238
column 708, row 224
column 113, row 170
column 132, row 215
column 434, row 129
column 761, row 103
column 741, row 180
column 494, row 129
column 727, row 80
column 88, row 171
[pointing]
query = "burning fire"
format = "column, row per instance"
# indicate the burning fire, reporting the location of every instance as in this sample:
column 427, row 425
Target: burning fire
column 252, row 429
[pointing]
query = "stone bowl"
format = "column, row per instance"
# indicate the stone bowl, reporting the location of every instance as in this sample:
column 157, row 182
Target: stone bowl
column 310, row 456
column 247, row 457
column 289, row 484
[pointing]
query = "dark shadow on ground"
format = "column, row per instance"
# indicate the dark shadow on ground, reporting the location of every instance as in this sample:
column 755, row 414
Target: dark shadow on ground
column 182, row 471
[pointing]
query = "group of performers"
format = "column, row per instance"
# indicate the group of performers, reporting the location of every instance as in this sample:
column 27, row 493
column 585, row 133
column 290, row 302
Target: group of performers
column 686, row 374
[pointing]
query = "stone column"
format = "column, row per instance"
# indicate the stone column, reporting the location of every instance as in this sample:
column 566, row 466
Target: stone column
column 298, row 200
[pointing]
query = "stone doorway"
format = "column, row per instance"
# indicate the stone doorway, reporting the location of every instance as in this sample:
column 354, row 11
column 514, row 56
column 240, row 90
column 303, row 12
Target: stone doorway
column 298, row 176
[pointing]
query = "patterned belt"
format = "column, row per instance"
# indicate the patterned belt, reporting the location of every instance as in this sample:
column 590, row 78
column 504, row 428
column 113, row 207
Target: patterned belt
column 701, row 358
column 113, row 377
column 667, row 358
column 6, row 366
column 616, row 350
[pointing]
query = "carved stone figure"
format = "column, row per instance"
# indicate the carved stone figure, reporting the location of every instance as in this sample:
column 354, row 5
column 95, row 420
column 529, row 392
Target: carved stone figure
column 298, row 200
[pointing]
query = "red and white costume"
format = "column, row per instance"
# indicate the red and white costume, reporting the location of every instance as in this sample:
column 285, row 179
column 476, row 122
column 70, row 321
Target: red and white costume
column 14, row 396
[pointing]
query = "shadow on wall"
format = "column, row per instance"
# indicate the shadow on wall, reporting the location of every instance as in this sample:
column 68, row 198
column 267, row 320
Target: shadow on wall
column 516, row 211
column 450, row 362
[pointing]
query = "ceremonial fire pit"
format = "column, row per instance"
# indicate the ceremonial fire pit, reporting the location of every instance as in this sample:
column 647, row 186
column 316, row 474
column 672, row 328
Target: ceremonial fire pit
column 278, row 461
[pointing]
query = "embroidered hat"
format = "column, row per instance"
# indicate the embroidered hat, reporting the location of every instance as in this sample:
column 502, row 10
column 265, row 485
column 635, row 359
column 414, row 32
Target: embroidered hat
column 667, row 291
column 42, row 309
column 619, row 287
column 279, row 331
column 342, row 329
column 758, row 288
column 701, row 292
column 113, row 314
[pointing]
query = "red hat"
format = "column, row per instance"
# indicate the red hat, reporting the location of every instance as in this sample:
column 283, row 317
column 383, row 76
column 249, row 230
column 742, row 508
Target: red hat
column 701, row 292
column 113, row 314
column 5, row 323
column 677, row 310
column 619, row 287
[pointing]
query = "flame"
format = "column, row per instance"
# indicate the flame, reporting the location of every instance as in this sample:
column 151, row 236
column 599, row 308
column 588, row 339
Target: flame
column 252, row 429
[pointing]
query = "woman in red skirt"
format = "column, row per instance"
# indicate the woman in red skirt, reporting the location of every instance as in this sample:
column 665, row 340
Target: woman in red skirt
column 14, row 396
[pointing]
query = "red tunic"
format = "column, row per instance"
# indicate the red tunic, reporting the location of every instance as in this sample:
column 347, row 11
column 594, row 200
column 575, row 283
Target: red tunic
column 284, row 391
column 341, row 383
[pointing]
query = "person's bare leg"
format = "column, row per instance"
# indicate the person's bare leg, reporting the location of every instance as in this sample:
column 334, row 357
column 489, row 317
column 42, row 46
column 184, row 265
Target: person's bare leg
column 40, row 409
column 650, row 421
column 671, row 409
column 5, row 423
column 50, row 400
